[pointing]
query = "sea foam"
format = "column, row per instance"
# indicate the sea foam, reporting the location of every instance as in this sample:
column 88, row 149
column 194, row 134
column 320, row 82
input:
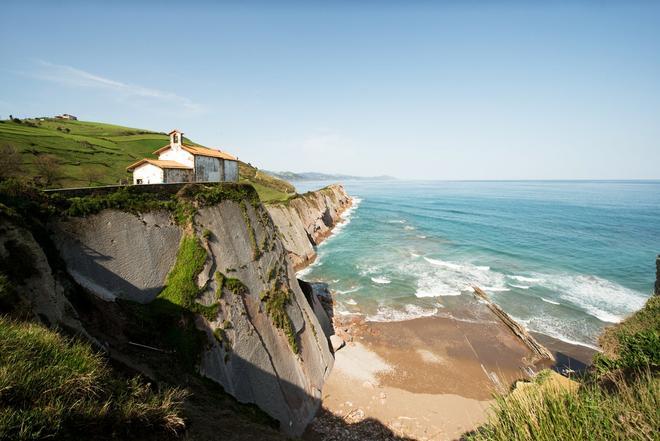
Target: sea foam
column 381, row 280
column 407, row 312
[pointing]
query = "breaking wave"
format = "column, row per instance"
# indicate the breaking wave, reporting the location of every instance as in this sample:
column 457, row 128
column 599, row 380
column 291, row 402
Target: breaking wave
column 409, row 312
column 345, row 220
column 381, row 280
column 606, row 300
column 525, row 279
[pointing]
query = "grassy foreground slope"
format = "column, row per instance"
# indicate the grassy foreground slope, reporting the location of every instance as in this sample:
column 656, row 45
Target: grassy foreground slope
column 54, row 387
column 91, row 153
column 619, row 399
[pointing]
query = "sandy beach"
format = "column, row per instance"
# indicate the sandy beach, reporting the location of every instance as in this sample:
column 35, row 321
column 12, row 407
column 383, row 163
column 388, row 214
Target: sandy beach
column 430, row 378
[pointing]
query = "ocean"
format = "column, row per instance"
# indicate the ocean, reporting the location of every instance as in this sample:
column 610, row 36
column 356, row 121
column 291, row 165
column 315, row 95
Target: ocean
column 564, row 258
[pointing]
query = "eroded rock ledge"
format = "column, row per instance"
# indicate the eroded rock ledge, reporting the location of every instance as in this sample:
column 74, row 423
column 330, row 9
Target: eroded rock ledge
column 305, row 221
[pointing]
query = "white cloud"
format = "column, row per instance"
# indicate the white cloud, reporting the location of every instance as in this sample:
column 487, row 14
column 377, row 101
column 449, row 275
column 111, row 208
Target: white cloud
column 71, row 76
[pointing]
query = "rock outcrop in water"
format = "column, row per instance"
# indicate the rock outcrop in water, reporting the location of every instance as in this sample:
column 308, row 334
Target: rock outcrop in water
column 539, row 351
column 307, row 220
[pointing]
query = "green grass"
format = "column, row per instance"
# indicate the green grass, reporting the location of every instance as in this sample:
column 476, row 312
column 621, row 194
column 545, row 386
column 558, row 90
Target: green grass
column 220, row 282
column 81, row 146
column 626, row 410
column 169, row 319
column 634, row 342
column 181, row 287
column 618, row 399
column 53, row 387
column 236, row 287
column 280, row 187
column 100, row 153
column 19, row 197
column 269, row 194
column 276, row 300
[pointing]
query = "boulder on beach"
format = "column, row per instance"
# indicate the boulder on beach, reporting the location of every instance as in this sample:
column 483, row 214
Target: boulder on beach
column 337, row 342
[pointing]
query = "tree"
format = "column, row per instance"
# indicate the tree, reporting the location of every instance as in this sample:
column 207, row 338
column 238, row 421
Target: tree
column 49, row 168
column 11, row 162
column 92, row 175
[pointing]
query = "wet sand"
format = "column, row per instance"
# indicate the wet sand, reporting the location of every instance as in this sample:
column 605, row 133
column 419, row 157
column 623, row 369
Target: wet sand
column 430, row 378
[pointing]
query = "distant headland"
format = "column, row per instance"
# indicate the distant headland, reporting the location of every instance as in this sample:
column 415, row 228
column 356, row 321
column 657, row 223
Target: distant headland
column 315, row 176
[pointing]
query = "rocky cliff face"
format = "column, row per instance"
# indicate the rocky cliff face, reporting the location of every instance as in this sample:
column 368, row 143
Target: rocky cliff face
column 119, row 255
column 264, row 344
column 42, row 294
column 657, row 276
column 307, row 220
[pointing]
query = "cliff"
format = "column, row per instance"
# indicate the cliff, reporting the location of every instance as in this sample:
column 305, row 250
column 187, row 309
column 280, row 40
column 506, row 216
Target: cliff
column 305, row 221
column 656, row 291
column 197, row 283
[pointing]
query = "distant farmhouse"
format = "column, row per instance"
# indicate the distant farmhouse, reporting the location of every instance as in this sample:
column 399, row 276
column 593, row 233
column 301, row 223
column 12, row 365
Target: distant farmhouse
column 66, row 116
column 178, row 162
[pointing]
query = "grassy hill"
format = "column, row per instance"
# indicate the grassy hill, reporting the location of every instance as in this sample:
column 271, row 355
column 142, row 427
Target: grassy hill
column 91, row 153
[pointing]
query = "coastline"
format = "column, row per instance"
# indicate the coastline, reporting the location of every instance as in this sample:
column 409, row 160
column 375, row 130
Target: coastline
column 427, row 378
column 430, row 378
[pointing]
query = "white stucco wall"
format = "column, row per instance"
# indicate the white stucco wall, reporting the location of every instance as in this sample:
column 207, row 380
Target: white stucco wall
column 178, row 155
column 149, row 173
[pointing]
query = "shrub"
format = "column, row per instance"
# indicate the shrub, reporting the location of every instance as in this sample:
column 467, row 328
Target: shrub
column 220, row 281
column 236, row 286
column 628, row 410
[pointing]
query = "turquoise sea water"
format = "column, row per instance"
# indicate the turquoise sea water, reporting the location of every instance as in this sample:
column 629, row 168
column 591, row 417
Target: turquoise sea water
column 565, row 258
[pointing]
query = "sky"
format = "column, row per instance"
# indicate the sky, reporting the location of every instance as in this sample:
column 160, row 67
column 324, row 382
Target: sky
column 413, row 89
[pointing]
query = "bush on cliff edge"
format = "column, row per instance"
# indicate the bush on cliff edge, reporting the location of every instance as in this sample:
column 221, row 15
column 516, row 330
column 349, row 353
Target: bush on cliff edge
column 619, row 399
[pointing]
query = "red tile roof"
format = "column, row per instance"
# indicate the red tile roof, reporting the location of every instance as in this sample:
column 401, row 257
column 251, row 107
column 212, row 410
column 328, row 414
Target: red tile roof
column 200, row 151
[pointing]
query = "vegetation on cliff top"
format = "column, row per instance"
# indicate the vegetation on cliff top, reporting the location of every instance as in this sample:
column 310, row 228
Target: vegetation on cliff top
column 270, row 188
column 54, row 387
column 633, row 343
column 617, row 400
column 27, row 200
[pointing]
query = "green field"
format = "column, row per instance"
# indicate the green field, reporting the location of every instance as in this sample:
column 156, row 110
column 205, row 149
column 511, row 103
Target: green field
column 91, row 153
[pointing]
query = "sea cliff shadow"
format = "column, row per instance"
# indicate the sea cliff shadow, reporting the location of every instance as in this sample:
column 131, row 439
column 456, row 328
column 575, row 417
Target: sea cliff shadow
column 569, row 358
column 329, row 427
column 319, row 298
column 210, row 412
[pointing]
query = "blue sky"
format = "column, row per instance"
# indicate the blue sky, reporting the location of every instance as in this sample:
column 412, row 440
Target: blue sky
column 429, row 90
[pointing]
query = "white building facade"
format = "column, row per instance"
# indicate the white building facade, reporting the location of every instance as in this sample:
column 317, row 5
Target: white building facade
column 179, row 162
